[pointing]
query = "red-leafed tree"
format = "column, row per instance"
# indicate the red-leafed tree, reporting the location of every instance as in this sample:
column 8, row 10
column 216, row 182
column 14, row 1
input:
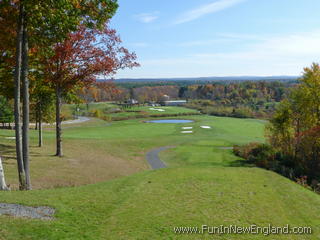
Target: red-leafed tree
column 108, row 90
column 77, row 61
column 24, row 26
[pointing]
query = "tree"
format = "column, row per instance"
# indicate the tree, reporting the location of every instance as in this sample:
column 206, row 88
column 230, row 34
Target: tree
column 78, row 59
column 6, row 113
column 294, row 129
column 17, row 92
column 43, row 106
column 3, row 185
column 48, row 21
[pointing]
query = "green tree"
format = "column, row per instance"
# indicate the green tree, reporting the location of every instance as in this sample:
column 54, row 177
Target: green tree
column 294, row 129
column 6, row 113
column 40, row 24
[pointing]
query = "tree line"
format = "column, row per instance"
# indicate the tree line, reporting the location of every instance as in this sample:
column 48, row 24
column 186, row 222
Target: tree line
column 240, row 99
column 293, row 134
column 49, row 50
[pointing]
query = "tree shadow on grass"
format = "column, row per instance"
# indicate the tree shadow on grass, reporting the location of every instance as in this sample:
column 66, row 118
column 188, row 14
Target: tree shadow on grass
column 240, row 163
column 7, row 152
column 235, row 163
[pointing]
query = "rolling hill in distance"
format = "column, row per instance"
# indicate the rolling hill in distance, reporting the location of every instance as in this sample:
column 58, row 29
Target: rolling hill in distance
column 207, row 79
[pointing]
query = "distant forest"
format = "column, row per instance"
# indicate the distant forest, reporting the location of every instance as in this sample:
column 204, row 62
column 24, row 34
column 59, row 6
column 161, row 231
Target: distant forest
column 235, row 97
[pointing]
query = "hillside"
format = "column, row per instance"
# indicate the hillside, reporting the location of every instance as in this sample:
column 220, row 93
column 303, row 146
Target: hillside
column 204, row 184
column 208, row 79
column 148, row 205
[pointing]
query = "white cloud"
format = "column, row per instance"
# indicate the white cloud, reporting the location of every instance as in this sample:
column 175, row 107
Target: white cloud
column 200, row 43
column 273, row 55
column 213, row 7
column 139, row 44
column 238, row 36
column 223, row 38
column 147, row 17
column 294, row 46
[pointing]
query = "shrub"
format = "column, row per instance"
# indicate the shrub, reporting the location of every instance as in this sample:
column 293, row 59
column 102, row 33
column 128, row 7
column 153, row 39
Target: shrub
column 244, row 151
column 96, row 113
column 66, row 116
column 262, row 155
column 106, row 118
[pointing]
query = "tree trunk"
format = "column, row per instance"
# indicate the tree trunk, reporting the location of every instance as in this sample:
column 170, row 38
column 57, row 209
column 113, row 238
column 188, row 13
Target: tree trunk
column 36, row 120
column 3, row 185
column 40, row 125
column 25, row 93
column 17, row 114
column 58, row 121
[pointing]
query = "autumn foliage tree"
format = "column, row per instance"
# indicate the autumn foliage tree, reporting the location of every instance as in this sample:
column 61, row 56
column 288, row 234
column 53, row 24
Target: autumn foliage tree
column 29, row 24
column 294, row 130
column 77, row 61
column 98, row 92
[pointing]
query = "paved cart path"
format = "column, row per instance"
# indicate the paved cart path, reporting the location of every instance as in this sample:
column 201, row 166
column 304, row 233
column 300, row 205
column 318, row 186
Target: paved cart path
column 153, row 157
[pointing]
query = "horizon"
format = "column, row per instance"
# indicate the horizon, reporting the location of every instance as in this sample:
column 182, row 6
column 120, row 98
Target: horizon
column 222, row 76
column 219, row 37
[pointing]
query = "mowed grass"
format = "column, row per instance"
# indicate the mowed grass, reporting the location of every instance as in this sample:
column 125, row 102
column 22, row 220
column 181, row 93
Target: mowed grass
column 167, row 109
column 148, row 205
column 113, row 111
column 97, row 151
column 204, row 183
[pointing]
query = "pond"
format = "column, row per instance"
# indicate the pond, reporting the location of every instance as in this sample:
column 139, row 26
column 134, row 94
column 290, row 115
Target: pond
column 170, row 121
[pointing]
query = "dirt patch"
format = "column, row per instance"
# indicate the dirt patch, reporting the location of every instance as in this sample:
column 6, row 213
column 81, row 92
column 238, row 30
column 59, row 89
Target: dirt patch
column 17, row 210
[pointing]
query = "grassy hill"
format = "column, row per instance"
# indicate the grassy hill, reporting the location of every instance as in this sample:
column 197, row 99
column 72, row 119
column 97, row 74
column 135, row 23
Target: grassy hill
column 204, row 184
column 148, row 205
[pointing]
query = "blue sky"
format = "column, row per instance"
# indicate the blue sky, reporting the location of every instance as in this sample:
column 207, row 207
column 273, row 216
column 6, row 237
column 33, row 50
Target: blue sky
column 199, row 38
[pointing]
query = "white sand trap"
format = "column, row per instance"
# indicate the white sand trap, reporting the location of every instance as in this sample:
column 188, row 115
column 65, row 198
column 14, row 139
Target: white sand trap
column 206, row 127
column 157, row 109
column 185, row 128
column 186, row 131
column 12, row 138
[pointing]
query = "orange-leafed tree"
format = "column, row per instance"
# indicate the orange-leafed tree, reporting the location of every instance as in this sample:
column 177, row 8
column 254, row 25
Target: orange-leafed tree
column 108, row 90
column 83, row 55
column 24, row 25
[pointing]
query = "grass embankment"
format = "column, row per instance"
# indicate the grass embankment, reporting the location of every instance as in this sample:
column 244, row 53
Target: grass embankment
column 113, row 112
column 204, row 184
column 148, row 205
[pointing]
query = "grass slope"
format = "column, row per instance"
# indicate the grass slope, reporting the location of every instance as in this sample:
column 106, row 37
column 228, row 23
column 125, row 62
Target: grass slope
column 204, row 183
column 148, row 205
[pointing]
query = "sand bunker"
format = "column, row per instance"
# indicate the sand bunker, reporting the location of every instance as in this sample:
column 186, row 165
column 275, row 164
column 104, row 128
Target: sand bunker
column 186, row 131
column 169, row 121
column 206, row 127
column 187, row 128
column 157, row 109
